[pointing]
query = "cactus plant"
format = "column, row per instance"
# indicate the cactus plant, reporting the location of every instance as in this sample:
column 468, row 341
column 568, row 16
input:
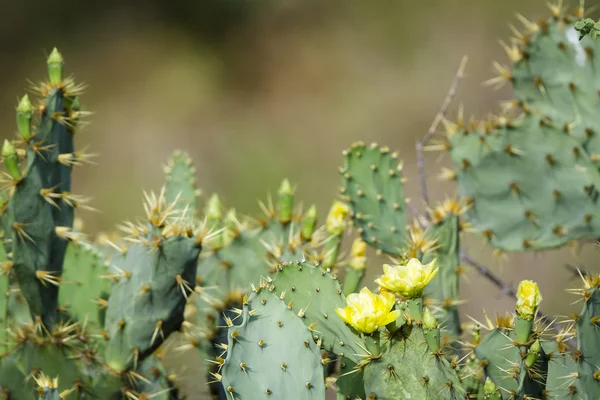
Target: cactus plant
column 265, row 302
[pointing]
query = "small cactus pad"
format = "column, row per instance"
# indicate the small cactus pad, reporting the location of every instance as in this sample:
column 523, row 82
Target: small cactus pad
column 506, row 364
column 562, row 382
column 148, row 302
column 408, row 370
column 85, row 285
column 271, row 354
column 442, row 291
column 372, row 184
column 501, row 358
column 314, row 294
column 181, row 184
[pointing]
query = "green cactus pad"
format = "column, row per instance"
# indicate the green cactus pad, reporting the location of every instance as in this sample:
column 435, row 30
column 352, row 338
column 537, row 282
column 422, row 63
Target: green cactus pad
column 408, row 370
column 533, row 180
column 471, row 376
column 372, row 183
column 181, row 184
column 156, row 383
column 350, row 383
column 555, row 201
column 314, row 294
column 234, row 267
column 442, row 291
column 562, row 369
column 271, row 354
column 588, row 342
column 42, row 202
column 501, row 358
column 68, row 363
column 504, row 364
column 555, row 74
column 12, row 380
column 85, row 286
column 147, row 304
column 18, row 309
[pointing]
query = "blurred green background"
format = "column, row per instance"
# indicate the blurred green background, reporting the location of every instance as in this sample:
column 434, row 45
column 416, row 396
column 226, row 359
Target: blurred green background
column 259, row 90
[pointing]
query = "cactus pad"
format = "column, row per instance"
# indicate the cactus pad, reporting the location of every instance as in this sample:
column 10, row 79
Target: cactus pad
column 85, row 287
column 271, row 354
column 314, row 294
column 408, row 370
column 372, row 184
column 532, row 180
column 147, row 304
column 181, row 184
column 442, row 291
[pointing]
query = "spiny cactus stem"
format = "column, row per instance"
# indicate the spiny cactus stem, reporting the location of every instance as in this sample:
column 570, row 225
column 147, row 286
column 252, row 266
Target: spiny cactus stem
column 434, row 126
column 507, row 289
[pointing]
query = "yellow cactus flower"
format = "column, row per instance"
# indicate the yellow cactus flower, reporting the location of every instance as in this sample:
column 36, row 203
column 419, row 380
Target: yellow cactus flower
column 358, row 254
column 528, row 299
column 336, row 219
column 409, row 280
column 366, row 311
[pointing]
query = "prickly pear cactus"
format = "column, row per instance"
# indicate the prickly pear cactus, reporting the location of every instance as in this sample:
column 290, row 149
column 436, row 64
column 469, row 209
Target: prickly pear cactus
column 271, row 353
column 532, row 180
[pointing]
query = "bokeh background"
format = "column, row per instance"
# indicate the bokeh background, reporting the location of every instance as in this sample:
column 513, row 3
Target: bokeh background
column 259, row 90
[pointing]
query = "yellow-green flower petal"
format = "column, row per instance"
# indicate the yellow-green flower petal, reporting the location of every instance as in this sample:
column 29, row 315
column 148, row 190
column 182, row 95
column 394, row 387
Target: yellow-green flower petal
column 366, row 311
column 409, row 280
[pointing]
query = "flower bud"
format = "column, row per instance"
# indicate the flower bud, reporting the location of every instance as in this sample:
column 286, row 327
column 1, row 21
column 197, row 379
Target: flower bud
column 286, row 201
column 55, row 67
column 309, row 223
column 528, row 299
column 358, row 255
column 24, row 111
column 429, row 321
column 336, row 219
column 11, row 160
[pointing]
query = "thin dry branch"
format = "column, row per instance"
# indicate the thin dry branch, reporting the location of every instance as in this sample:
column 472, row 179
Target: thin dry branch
column 434, row 126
